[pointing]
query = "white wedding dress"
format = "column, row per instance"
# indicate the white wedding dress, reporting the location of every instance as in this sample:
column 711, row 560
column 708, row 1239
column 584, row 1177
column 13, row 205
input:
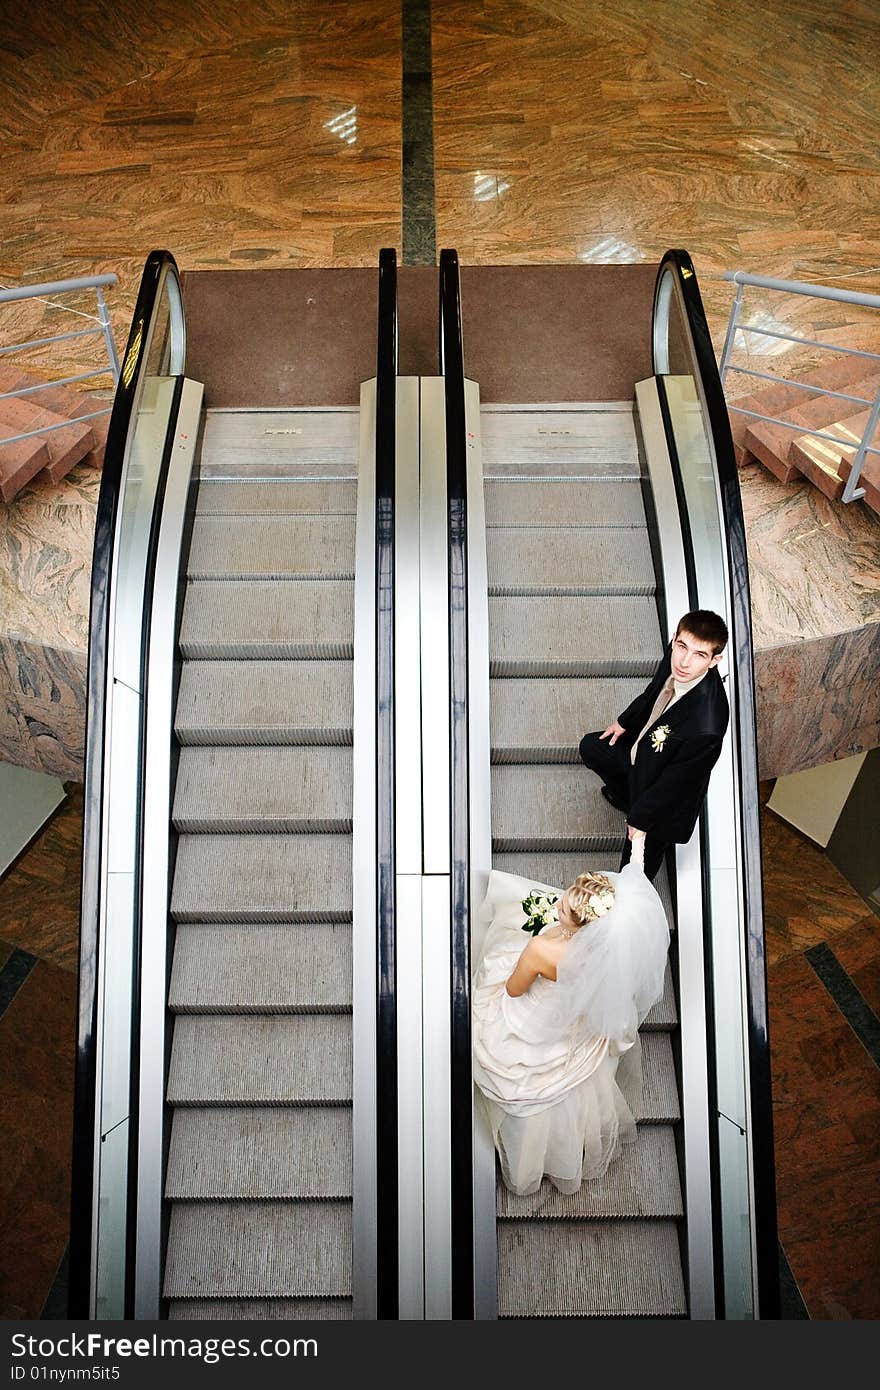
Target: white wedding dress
column 559, row 1066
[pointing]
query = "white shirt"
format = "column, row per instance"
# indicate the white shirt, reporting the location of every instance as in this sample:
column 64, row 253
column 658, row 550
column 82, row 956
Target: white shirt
column 679, row 688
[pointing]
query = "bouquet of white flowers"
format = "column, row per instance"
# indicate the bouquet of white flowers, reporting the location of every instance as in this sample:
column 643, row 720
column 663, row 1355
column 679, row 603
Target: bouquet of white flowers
column 540, row 912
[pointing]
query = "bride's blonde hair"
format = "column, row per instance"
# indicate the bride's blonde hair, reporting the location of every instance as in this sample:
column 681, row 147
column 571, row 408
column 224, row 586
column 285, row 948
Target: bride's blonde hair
column 584, row 887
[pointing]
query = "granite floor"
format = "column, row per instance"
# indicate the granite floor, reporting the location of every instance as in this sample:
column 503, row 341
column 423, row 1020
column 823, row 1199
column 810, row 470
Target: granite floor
column 823, row 951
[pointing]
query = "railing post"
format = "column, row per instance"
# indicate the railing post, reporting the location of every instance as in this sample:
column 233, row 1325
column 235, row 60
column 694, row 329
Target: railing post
column 851, row 490
column 731, row 329
column 108, row 335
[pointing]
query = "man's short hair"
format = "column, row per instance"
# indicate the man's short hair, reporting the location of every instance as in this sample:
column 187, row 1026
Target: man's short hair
column 706, row 626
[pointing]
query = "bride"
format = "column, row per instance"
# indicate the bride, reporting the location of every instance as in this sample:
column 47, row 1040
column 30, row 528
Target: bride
column 556, row 1043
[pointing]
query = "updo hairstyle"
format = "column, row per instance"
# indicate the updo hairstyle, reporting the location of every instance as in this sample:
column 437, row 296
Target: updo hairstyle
column 584, row 887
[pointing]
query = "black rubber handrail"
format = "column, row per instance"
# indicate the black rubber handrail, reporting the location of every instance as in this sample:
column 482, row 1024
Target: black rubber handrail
column 461, row 1074
column 387, row 1201
column 85, row 1083
column 740, row 651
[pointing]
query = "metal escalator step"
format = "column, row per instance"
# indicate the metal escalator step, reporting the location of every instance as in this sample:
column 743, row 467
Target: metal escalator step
column 561, row 869
column 642, row 1182
column 281, row 547
column 574, row 636
column 273, row 790
column 556, row 807
column 539, row 720
column 299, row 619
column 264, row 702
column 263, row 1153
column 569, row 559
column 659, row 1091
column 262, row 878
column 259, row 1309
column 575, row 502
column 259, row 1250
column 241, row 968
column 287, row 1059
column 237, row 497
column 589, row 1269
column 663, row 1017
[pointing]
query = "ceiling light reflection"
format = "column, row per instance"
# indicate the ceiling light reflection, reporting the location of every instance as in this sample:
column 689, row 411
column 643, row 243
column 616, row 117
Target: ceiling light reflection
column 344, row 126
column 488, row 186
column 611, row 248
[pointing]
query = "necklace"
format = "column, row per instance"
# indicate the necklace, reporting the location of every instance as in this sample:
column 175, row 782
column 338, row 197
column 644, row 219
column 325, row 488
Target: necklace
column 564, row 932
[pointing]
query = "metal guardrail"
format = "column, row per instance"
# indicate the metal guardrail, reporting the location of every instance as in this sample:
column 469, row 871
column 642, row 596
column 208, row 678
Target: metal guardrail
column 104, row 328
column 741, row 278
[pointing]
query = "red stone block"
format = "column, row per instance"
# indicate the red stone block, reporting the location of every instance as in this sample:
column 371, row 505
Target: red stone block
column 66, row 446
column 834, row 375
column 772, row 444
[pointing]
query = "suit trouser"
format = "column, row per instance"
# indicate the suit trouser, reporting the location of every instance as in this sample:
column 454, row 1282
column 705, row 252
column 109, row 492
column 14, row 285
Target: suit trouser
column 612, row 764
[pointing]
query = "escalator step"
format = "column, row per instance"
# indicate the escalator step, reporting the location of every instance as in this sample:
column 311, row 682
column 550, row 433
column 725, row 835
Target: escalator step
column 299, row 619
column 589, row 1269
column 575, row 502
column 241, row 968
column 543, row 720
column 569, row 559
column 259, row 1309
column 561, row 869
column 660, row 1093
column 259, row 1250
column 642, row 1182
column 663, row 1017
column 272, row 790
column 260, row 702
column 590, row 442
column 263, row 1153
column 551, row 807
column 238, row 497
column 555, row 636
column 270, row 547
column 262, row 878
column 287, row 1059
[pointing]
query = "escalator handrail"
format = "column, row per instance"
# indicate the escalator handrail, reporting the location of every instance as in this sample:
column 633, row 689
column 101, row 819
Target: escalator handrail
column 741, row 662
column 461, row 1076
column 158, row 265
column 387, row 1201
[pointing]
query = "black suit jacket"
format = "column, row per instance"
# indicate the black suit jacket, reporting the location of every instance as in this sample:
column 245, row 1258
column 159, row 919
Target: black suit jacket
column 667, row 786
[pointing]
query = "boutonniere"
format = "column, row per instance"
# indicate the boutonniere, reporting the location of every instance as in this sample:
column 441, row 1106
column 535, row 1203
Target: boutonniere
column 659, row 737
column 540, row 911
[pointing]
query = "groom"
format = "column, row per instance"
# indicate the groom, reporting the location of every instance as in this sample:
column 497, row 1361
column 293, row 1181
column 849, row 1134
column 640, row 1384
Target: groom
column 659, row 753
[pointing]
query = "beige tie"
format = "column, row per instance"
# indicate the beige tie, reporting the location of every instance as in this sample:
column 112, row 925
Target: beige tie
column 666, row 693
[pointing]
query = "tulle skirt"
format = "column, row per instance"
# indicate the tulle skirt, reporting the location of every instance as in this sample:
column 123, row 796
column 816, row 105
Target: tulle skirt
column 569, row 1142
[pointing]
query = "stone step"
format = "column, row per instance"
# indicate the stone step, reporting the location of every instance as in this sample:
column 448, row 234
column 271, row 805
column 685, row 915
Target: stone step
column 66, row 446
column 66, row 401
column 771, row 444
column 827, row 465
column 835, row 374
column 19, row 462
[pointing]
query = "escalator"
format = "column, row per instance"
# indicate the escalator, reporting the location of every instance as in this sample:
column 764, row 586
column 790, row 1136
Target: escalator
column 340, row 663
column 260, row 1073
column 573, row 638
